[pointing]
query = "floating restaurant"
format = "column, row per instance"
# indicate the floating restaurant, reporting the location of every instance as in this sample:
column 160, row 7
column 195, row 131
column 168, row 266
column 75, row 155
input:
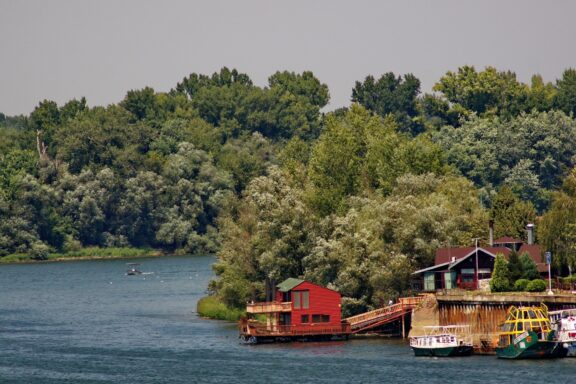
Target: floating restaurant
column 306, row 311
column 300, row 310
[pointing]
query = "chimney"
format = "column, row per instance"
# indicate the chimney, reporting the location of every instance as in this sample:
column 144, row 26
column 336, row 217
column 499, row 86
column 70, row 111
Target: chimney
column 491, row 234
column 530, row 229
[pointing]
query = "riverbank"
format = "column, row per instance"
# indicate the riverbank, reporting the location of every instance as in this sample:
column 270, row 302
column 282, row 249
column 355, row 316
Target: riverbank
column 88, row 253
column 212, row 308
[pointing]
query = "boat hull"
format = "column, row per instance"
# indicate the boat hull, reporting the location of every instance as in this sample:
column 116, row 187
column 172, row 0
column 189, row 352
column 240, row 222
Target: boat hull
column 463, row 350
column 569, row 348
column 534, row 350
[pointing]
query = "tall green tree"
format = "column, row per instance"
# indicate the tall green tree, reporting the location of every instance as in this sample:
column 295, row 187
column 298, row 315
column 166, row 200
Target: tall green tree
column 336, row 159
column 557, row 229
column 500, row 281
column 494, row 152
column 268, row 234
column 529, row 268
column 305, row 85
column 510, row 214
column 391, row 95
column 541, row 95
column 566, row 95
column 515, row 267
column 489, row 91
column 141, row 103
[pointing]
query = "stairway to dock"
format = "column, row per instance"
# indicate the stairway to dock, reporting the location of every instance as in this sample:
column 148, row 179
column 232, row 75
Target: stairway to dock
column 381, row 316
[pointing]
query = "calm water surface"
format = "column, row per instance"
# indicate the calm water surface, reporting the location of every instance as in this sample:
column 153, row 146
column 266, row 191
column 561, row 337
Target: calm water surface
column 87, row 322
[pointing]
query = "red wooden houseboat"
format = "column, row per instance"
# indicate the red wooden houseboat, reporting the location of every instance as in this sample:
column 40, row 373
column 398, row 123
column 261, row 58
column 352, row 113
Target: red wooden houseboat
column 301, row 310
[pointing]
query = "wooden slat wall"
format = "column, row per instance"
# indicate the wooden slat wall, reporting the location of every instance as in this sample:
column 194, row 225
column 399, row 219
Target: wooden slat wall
column 484, row 321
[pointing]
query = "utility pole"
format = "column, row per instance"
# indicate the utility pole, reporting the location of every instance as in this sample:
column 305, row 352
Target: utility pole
column 549, row 261
column 476, row 244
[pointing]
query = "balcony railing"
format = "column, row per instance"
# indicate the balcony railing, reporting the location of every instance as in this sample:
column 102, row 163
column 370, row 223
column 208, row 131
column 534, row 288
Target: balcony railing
column 259, row 329
column 411, row 302
column 269, row 307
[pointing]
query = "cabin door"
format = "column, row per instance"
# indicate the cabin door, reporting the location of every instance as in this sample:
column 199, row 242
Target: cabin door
column 450, row 280
column 285, row 319
column 429, row 283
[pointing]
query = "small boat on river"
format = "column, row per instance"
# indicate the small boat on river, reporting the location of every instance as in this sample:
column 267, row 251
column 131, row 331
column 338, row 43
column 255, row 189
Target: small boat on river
column 527, row 333
column 443, row 341
column 564, row 322
column 132, row 270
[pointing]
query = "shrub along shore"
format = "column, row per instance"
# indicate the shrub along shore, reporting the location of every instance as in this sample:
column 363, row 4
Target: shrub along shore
column 88, row 253
column 213, row 308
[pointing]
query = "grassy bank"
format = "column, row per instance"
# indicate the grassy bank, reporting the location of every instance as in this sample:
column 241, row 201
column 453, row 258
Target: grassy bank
column 213, row 308
column 87, row 253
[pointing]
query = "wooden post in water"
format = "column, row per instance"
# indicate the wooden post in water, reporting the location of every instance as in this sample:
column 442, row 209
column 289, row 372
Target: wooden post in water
column 403, row 328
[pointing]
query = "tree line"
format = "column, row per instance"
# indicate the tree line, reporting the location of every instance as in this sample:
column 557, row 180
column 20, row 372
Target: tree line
column 355, row 199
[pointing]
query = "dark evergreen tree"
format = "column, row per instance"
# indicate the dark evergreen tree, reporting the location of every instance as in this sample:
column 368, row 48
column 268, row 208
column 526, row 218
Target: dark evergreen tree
column 515, row 267
column 500, row 281
column 566, row 96
column 391, row 95
column 529, row 268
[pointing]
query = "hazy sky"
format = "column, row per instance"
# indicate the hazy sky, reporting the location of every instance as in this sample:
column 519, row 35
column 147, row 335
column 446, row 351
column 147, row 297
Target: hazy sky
column 100, row 49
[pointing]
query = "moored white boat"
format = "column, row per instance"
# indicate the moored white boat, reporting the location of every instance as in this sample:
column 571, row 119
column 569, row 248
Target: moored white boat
column 564, row 322
column 443, row 341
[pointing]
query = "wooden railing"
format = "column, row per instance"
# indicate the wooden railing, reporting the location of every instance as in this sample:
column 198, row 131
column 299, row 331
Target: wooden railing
column 269, row 307
column 253, row 328
column 375, row 314
column 382, row 315
column 411, row 302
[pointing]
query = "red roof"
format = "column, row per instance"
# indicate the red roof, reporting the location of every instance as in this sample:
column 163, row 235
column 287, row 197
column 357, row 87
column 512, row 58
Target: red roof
column 507, row 240
column 444, row 255
column 535, row 253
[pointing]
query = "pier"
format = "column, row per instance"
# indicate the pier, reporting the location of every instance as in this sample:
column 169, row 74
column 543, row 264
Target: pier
column 483, row 312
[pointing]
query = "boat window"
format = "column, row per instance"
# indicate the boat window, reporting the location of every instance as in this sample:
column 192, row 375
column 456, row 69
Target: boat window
column 305, row 299
column 297, row 297
column 527, row 326
column 532, row 314
column 507, row 327
column 520, row 327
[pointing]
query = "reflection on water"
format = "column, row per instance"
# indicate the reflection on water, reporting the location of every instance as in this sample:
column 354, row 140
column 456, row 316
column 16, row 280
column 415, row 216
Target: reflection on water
column 87, row 322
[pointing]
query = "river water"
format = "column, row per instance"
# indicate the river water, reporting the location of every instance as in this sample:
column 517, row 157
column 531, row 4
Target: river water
column 87, row 322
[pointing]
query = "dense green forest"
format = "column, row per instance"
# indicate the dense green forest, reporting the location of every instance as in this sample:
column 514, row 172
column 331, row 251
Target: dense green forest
column 276, row 186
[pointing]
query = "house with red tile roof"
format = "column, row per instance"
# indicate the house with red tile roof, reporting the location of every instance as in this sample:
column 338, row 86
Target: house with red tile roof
column 471, row 267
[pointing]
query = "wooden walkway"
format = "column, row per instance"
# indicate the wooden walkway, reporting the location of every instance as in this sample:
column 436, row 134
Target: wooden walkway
column 385, row 315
